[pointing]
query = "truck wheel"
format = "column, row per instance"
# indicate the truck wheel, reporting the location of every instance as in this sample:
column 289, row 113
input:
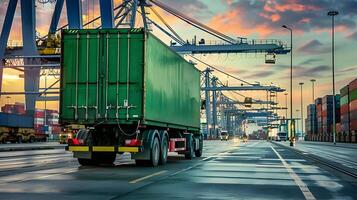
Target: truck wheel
column 164, row 151
column 198, row 152
column 86, row 162
column 19, row 140
column 32, row 139
column 191, row 152
column 155, row 153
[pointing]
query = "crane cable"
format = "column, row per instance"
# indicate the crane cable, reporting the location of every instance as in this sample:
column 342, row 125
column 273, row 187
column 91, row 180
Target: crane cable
column 194, row 22
column 167, row 25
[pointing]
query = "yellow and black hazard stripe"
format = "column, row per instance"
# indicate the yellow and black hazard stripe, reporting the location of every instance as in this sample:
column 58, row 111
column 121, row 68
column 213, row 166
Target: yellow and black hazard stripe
column 104, row 149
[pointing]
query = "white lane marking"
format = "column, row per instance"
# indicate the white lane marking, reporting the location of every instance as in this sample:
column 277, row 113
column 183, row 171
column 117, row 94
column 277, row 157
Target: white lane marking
column 148, row 176
column 302, row 186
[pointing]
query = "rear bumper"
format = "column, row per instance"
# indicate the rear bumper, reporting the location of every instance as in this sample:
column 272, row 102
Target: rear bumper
column 104, row 149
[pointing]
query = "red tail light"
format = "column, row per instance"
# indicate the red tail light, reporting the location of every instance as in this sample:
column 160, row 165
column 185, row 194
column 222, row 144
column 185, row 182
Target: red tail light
column 133, row 143
column 73, row 141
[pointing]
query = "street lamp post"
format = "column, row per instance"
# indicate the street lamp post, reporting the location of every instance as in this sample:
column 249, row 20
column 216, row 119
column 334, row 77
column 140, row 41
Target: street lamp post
column 313, row 99
column 302, row 111
column 297, row 119
column 333, row 13
column 291, row 85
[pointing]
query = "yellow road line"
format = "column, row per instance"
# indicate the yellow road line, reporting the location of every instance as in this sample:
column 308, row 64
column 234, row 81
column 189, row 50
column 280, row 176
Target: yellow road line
column 302, row 186
column 148, row 176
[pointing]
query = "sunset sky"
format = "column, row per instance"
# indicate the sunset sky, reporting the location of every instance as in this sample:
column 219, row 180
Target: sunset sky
column 253, row 19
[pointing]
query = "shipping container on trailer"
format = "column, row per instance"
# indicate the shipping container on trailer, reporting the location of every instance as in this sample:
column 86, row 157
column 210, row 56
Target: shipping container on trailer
column 132, row 92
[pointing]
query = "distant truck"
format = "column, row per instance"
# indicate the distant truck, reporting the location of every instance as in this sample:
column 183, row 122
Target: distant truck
column 16, row 128
column 282, row 136
column 69, row 132
column 132, row 93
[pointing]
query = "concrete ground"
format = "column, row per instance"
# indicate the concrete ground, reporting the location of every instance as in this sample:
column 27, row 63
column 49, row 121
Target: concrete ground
column 227, row 170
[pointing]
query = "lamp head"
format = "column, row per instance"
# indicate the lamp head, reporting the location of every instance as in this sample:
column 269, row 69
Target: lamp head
column 332, row 13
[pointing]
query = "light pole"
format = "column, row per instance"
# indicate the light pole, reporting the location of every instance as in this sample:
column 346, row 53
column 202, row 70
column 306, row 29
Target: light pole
column 333, row 13
column 297, row 118
column 313, row 99
column 291, row 85
column 302, row 110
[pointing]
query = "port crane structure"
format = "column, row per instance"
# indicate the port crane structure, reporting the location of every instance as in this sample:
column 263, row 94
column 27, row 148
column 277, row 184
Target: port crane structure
column 32, row 58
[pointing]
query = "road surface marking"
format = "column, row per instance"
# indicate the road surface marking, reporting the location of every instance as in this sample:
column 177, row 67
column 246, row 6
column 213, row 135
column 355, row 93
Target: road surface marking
column 302, row 186
column 148, row 176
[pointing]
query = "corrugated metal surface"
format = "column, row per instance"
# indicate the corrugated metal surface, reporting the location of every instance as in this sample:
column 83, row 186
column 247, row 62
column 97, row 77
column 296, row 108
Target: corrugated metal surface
column 172, row 87
column 121, row 75
column 344, row 91
column 353, row 85
column 353, row 95
column 13, row 120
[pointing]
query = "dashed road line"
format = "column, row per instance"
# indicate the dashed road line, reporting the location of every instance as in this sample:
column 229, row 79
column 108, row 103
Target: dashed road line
column 148, row 176
column 302, row 186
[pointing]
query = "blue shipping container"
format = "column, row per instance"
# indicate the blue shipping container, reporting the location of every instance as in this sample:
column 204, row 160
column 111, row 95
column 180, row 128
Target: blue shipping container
column 14, row 120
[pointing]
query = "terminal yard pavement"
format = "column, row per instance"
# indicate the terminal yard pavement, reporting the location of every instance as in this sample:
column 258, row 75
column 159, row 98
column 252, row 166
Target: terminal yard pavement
column 227, row 170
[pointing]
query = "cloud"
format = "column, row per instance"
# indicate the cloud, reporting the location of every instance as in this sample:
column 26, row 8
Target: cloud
column 266, row 17
column 311, row 72
column 259, row 75
column 313, row 47
column 310, row 61
column 353, row 36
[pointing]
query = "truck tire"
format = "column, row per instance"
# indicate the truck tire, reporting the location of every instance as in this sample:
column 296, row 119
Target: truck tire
column 155, row 153
column 19, row 140
column 164, row 150
column 86, row 162
column 32, row 139
column 191, row 152
column 198, row 152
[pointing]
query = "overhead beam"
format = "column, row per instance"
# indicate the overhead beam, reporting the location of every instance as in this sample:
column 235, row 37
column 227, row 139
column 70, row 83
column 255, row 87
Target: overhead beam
column 74, row 14
column 106, row 12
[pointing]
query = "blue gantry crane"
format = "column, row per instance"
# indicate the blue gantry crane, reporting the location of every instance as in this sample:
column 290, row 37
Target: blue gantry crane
column 42, row 53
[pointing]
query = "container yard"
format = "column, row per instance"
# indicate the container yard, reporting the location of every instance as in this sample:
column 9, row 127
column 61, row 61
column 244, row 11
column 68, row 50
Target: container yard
column 346, row 105
column 170, row 99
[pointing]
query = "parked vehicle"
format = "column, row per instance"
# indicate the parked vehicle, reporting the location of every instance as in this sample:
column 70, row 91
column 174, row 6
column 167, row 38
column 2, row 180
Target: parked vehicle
column 16, row 128
column 132, row 93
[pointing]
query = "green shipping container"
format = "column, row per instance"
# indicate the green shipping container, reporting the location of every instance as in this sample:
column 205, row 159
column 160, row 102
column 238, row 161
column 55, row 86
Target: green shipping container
column 344, row 91
column 124, row 76
column 353, row 95
column 344, row 100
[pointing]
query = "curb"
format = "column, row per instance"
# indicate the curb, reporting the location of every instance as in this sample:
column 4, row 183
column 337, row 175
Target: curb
column 11, row 149
column 332, row 164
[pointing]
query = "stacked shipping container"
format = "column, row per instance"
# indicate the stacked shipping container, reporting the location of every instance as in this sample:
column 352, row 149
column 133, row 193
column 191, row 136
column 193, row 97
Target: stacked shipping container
column 17, row 108
column 51, row 122
column 345, row 134
column 346, row 116
column 311, row 122
column 318, row 103
column 353, row 109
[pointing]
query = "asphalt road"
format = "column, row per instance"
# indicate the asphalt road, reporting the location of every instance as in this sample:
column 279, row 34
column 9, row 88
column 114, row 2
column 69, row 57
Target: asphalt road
column 227, row 170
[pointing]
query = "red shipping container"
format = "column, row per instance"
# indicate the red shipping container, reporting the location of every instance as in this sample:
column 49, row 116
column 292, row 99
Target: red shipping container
column 353, row 105
column 338, row 127
column 353, row 125
column 353, row 85
column 345, row 109
column 353, row 115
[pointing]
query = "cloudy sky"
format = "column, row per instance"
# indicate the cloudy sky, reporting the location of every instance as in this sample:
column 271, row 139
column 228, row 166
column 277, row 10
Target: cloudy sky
column 253, row 19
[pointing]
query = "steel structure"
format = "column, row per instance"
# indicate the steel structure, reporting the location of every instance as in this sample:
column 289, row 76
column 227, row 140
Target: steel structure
column 31, row 60
column 228, row 111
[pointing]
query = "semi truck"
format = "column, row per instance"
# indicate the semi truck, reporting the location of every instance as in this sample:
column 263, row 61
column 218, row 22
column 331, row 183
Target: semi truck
column 132, row 93
column 16, row 128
